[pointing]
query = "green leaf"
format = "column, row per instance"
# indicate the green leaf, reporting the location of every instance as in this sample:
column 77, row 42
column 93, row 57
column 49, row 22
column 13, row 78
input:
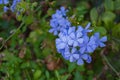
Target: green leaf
column 28, row 19
column 19, row 17
column 116, row 31
column 93, row 15
column 108, row 17
column 57, row 75
column 65, row 77
column 109, row 5
column 81, row 68
column 77, row 76
column 47, row 75
column 101, row 30
column 50, row 11
column 71, row 67
column 37, row 74
column 117, row 4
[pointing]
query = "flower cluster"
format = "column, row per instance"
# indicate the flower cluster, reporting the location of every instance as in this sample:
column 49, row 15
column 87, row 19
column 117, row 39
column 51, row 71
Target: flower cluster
column 59, row 21
column 73, row 43
column 12, row 7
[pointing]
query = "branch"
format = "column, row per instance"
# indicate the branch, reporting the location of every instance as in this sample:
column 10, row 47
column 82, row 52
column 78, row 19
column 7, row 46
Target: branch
column 108, row 63
column 11, row 35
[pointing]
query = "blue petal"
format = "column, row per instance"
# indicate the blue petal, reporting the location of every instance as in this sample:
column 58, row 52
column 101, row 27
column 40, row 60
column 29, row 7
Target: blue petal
column 88, row 25
column 89, row 49
column 80, row 40
column 1, row 2
column 58, row 41
column 55, row 32
column 89, row 59
column 62, row 8
column 82, row 49
column 51, row 30
column 89, row 30
column 6, row 8
column 92, row 41
column 71, row 29
column 79, row 34
column 6, row 1
column 102, row 44
column 60, row 51
column 103, row 39
column 79, row 29
column 75, row 44
column 72, row 59
column 97, row 35
column 73, row 50
column 61, row 46
column 94, row 47
column 76, row 56
column 80, row 62
column 67, row 54
column 72, row 35
column 70, row 42
column 86, row 39
column 64, row 39
column 84, row 56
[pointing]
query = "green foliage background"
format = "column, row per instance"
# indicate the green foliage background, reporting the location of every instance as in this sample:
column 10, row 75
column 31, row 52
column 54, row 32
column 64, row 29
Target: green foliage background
column 28, row 50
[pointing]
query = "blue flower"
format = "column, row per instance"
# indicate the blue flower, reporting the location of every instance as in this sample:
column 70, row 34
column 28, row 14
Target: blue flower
column 88, row 45
column 61, row 43
column 63, row 40
column 12, row 7
column 59, row 21
column 89, row 59
column 1, row 2
column 6, row 8
column 63, row 11
column 4, row 1
column 86, row 30
column 72, row 55
column 75, row 38
column 83, row 57
column 99, row 41
column 73, row 43
column 14, row 4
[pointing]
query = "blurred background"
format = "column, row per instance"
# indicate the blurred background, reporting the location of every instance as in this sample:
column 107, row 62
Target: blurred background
column 28, row 52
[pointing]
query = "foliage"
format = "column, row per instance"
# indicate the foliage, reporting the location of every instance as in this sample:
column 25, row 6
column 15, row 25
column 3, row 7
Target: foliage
column 28, row 50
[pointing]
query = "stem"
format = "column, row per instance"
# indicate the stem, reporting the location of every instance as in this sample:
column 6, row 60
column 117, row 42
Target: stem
column 11, row 35
column 108, row 63
column 27, row 75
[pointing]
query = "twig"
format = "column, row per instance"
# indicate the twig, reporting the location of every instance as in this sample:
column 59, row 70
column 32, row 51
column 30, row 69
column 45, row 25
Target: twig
column 108, row 63
column 11, row 35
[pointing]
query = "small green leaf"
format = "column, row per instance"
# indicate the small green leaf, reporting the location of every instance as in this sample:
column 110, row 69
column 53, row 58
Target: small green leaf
column 109, row 5
column 47, row 75
column 93, row 15
column 117, row 4
column 77, row 76
column 28, row 19
column 19, row 17
column 108, row 17
column 65, row 77
column 116, row 31
column 50, row 11
column 101, row 30
column 57, row 75
column 71, row 67
column 37, row 74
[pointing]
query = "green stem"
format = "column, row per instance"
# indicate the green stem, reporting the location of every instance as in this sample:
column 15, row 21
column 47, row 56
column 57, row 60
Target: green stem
column 27, row 75
column 108, row 63
column 11, row 35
